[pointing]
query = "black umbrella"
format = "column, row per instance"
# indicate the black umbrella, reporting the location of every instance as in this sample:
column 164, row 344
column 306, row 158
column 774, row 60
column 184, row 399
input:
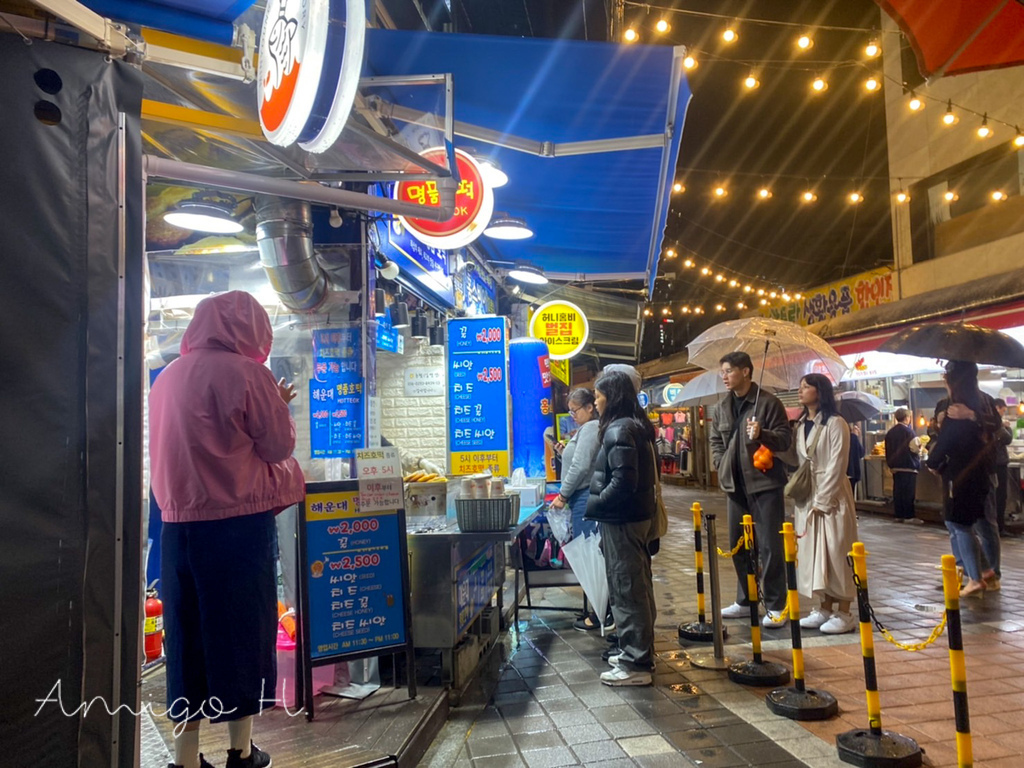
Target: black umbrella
column 958, row 341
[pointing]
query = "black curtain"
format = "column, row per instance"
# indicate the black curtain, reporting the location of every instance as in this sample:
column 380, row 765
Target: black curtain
column 70, row 404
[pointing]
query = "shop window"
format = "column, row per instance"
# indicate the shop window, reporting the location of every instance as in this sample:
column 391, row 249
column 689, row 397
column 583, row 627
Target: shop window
column 955, row 210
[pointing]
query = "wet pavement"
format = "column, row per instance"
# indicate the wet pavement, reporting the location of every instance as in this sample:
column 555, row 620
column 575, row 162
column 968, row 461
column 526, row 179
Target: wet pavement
column 543, row 706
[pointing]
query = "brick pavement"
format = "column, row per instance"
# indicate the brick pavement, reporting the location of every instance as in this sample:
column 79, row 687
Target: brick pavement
column 545, row 708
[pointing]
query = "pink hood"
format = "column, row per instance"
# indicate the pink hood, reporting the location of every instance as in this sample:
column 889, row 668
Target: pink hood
column 220, row 436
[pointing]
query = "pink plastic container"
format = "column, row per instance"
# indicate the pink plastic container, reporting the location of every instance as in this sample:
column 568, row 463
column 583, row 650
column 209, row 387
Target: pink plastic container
column 285, row 695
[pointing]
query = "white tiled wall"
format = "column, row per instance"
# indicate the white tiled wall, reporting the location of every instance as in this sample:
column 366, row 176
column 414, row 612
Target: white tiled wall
column 414, row 424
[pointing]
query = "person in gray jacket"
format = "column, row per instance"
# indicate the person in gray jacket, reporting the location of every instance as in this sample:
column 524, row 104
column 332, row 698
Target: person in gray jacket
column 737, row 430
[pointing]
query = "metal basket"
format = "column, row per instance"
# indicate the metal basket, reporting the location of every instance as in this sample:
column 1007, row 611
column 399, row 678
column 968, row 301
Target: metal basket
column 487, row 514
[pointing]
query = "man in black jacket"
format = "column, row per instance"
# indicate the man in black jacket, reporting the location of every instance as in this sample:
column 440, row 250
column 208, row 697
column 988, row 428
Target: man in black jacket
column 737, row 430
column 901, row 455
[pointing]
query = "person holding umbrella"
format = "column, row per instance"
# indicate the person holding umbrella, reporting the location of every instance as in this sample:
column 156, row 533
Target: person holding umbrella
column 622, row 501
column 745, row 419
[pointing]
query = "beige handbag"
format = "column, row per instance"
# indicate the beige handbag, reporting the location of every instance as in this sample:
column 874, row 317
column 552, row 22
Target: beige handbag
column 801, row 483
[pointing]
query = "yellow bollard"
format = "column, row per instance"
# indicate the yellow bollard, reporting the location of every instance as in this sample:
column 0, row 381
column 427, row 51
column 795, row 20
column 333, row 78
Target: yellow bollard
column 699, row 631
column 957, row 667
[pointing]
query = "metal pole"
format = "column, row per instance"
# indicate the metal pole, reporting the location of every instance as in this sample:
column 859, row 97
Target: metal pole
column 698, row 631
column 717, row 660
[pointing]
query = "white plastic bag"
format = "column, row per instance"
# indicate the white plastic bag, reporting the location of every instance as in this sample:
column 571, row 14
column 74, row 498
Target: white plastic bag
column 560, row 521
column 519, row 477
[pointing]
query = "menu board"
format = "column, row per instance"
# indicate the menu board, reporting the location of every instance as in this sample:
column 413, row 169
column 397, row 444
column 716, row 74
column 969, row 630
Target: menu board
column 354, row 573
column 336, row 394
column 478, row 411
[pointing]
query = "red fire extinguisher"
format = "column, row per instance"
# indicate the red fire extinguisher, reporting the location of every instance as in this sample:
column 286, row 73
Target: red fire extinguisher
column 153, row 627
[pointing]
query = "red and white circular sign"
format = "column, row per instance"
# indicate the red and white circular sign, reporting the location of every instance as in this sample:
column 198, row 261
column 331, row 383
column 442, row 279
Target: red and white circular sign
column 292, row 46
column 474, row 204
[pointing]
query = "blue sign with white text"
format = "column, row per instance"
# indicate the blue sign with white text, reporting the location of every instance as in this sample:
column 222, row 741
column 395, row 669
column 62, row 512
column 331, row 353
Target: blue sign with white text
column 336, row 392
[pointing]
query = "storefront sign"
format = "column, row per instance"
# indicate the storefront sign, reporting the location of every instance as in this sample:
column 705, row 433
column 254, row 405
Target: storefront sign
column 388, row 338
column 880, row 365
column 424, row 382
column 353, row 569
column 336, row 394
column 643, row 399
column 563, row 326
column 474, row 204
column 862, row 291
column 378, row 462
column 310, row 59
column 478, row 412
column 476, row 586
column 672, row 391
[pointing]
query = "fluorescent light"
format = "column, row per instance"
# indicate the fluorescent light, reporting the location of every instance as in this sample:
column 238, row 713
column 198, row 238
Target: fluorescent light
column 506, row 227
column 527, row 273
column 203, row 216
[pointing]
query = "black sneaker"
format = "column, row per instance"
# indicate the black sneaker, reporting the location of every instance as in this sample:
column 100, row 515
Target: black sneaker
column 203, row 763
column 257, row 758
column 613, row 651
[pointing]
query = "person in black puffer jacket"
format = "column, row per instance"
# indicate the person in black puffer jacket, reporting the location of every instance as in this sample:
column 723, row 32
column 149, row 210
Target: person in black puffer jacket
column 622, row 501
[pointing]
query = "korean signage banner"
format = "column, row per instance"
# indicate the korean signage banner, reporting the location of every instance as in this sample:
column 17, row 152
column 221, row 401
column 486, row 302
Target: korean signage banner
column 336, row 394
column 563, row 326
column 478, row 400
column 476, row 587
column 868, row 289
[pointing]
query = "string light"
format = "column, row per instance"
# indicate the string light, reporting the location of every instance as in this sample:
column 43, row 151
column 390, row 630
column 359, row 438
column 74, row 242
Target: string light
column 764, row 302
column 798, row 296
column 902, row 196
column 647, row 312
column 719, row 278
column 819, row 84
column 670, row 253
column 872, row 49
column 721, row 192
column 998, row 196
column 950, row 117
column 720, row 307
column 688, row 264
column 705, row 271
column 665, row 311
column 678, row 187
column 662, row 26
column 690, row 62
column 855, row 197
column 764, row 193
column 729, row 35
column 760, row 291
column 1018, row 140
column 751, row 82
column 740, row 305
column 983, row 130
column 698, row 310
column 733, row 283
column 950, row 196
column 808, row 197
column 630, row 35
column 748, row 289
column 871, row 84
column 804, row 42
column 772, row 294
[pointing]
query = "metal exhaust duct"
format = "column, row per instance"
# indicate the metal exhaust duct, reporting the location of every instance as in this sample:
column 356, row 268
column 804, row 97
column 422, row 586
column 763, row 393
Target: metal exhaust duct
column 284, row 237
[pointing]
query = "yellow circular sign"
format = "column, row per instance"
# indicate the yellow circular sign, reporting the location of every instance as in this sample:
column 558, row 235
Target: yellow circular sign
column 563, row 326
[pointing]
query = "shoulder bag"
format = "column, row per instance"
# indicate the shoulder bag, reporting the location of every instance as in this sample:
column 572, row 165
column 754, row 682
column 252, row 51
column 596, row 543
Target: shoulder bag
column 801, row 482
column 660, row 515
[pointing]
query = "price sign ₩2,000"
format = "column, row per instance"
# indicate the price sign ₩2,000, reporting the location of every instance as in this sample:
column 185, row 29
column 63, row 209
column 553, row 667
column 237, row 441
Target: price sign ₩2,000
column 478, row 413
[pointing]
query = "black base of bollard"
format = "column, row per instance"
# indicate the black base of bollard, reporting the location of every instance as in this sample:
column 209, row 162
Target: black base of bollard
column 802, row 705
column 888, row 750
column 761, row 674
column 700, row 632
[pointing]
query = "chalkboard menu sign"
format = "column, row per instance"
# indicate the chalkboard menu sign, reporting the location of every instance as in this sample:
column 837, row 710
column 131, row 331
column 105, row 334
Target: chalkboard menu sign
column 478, row 412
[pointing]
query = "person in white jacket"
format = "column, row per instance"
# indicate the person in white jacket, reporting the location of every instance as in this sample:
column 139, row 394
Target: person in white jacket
column 826, row 521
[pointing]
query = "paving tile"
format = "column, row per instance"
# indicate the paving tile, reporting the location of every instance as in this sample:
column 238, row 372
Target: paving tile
column 497, row 745
column 733, row 735
column 550, row 758
column 627, row 728
column 582, row 734
column 759, row 752
column 534, row 724
column 614, row 714
column 622, row 762
column 541, row 740
column 487, row 729
column 678, row 722
column 718, row 757
column 499, row 761
column 662, row 761
column 598, row 751
column 697, row 738
column 646, row 745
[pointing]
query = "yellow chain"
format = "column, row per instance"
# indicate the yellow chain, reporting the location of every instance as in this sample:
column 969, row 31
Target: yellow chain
column 736, row 549
column 783, row 615
column 935, row 635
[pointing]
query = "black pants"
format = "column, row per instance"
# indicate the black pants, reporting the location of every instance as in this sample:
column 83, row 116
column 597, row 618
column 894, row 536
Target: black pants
column 1002, row 476
column 904, row 489
column 768, row 509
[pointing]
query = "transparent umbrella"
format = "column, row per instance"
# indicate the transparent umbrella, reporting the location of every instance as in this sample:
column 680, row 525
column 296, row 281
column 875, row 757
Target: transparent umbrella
column 587, row 561
column 708, row 388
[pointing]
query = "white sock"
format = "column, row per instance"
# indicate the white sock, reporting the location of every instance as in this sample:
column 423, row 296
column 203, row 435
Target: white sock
column 186, row 749
column 240, row 735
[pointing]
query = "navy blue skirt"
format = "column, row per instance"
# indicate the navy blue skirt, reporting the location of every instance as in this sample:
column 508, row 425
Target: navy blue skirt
column 218, row 585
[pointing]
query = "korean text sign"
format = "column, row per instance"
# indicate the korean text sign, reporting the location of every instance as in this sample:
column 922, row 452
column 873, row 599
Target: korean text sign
column 336, row 394
column 478, row 401
column 563, row 326
column 353, row 573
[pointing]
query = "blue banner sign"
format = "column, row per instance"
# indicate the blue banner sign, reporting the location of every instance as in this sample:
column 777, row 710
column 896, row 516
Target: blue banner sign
column 388, row 337
column 353, row 576
column 336, row 394
column 478, row 412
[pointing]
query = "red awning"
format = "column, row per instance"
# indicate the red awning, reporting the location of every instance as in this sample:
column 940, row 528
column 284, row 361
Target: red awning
column 999, row 317
column 951, row 37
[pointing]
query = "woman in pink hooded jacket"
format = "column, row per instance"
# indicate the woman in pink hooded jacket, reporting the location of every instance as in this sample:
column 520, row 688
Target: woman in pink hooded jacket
column 220, row 443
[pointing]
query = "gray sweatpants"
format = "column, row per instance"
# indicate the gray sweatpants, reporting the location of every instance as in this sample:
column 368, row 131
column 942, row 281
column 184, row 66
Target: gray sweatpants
column 768, row 509
column 631, row 590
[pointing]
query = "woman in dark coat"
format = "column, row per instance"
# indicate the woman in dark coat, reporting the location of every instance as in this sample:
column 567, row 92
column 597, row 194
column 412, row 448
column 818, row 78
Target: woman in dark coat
column 622, row 501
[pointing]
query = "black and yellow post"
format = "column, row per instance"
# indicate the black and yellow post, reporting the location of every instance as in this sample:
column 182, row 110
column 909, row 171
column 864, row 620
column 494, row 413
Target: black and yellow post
column 957, row 667
column 872, row 748
column 758, row 671
column 798, row 702
column 699, row 631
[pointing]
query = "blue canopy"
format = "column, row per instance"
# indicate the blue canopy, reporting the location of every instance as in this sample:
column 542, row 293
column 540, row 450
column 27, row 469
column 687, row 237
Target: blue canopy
column 598, row 215
column 203, row 19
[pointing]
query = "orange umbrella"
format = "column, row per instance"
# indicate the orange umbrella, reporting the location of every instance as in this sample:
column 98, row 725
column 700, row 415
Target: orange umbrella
column 951, row 37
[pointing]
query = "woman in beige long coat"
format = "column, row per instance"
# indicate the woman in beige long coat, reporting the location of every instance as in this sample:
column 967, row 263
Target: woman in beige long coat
column 826, row 521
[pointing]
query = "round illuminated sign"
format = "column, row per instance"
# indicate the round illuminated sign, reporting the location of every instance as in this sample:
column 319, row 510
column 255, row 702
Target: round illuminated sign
column 672, row 391
column 474, row 204
column 309, row 70
column 563, row 326
column 643, row 399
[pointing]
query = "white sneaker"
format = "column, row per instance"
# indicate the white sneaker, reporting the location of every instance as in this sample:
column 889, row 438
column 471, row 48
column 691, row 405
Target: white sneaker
column 815, row 619
column 774, row 620
column 736, row 611
column 620, row 676
column 839, row 624
column 613, row 660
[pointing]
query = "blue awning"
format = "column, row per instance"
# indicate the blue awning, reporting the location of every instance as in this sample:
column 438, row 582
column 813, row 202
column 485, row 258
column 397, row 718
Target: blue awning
column 203, row 19
column 597, row 215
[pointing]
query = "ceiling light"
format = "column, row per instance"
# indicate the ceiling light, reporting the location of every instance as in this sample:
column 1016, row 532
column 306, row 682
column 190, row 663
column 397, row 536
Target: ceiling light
column 855, row 197
column 902, row 196
column 420, row 328
column 872, row 49
column 872, row 84
column 527, row 273
column 437, row 334
column 505, row 227
column 751, row 82
column 808, row 196
column 915, row 102
column 764, row 193
column 490, row 170
column 729, row 35
column 804, row 42
column 950, row 118
column 335, row 218
column 662, row 26
column 399, row 315
column 983, row 130
column 388, row 269
column 819, row 84
column 998, row 196
column 380, row 301
column 631, row 36
column 204, row 213
column 690, row 63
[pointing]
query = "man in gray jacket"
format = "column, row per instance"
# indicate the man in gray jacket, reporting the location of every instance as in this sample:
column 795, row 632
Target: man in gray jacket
column 737, row 430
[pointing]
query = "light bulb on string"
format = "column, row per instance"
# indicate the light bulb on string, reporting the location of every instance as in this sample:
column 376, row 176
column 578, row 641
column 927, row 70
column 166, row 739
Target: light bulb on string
column 819, row 84
column 685, row 310
column 950, row 118
column 670, row 253
column 740, row 305
column 720, row 307
column 1018, row 140
column 705, row 271
column 630, row 35
column 983, row 130
column 872, row 49
column 772, row 294
column 998, row 196
column 688, row 264
column 729, row 35
column 808, row 196
column 902, row 196
column 662, row 26
column 751, row 82
column 798, row 296
column 950, row 196
column 786, row 297
column 690, row 62
column 679, row 187
column 733, row 283
column 805, row 42
column 748, row 289
column 915, row 104
column 872, row 84
column 665, row 311
column 855, row 197
column 764, row 302
column 719, row 278
column 764, row 193
column 760, row 291
column 721, row 192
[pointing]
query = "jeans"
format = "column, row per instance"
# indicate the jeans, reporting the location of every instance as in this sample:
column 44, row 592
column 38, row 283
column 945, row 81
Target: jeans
column 1002, row 477
column 987, row 529
column 577, row 508
column 965, row 548
column 631, row 589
